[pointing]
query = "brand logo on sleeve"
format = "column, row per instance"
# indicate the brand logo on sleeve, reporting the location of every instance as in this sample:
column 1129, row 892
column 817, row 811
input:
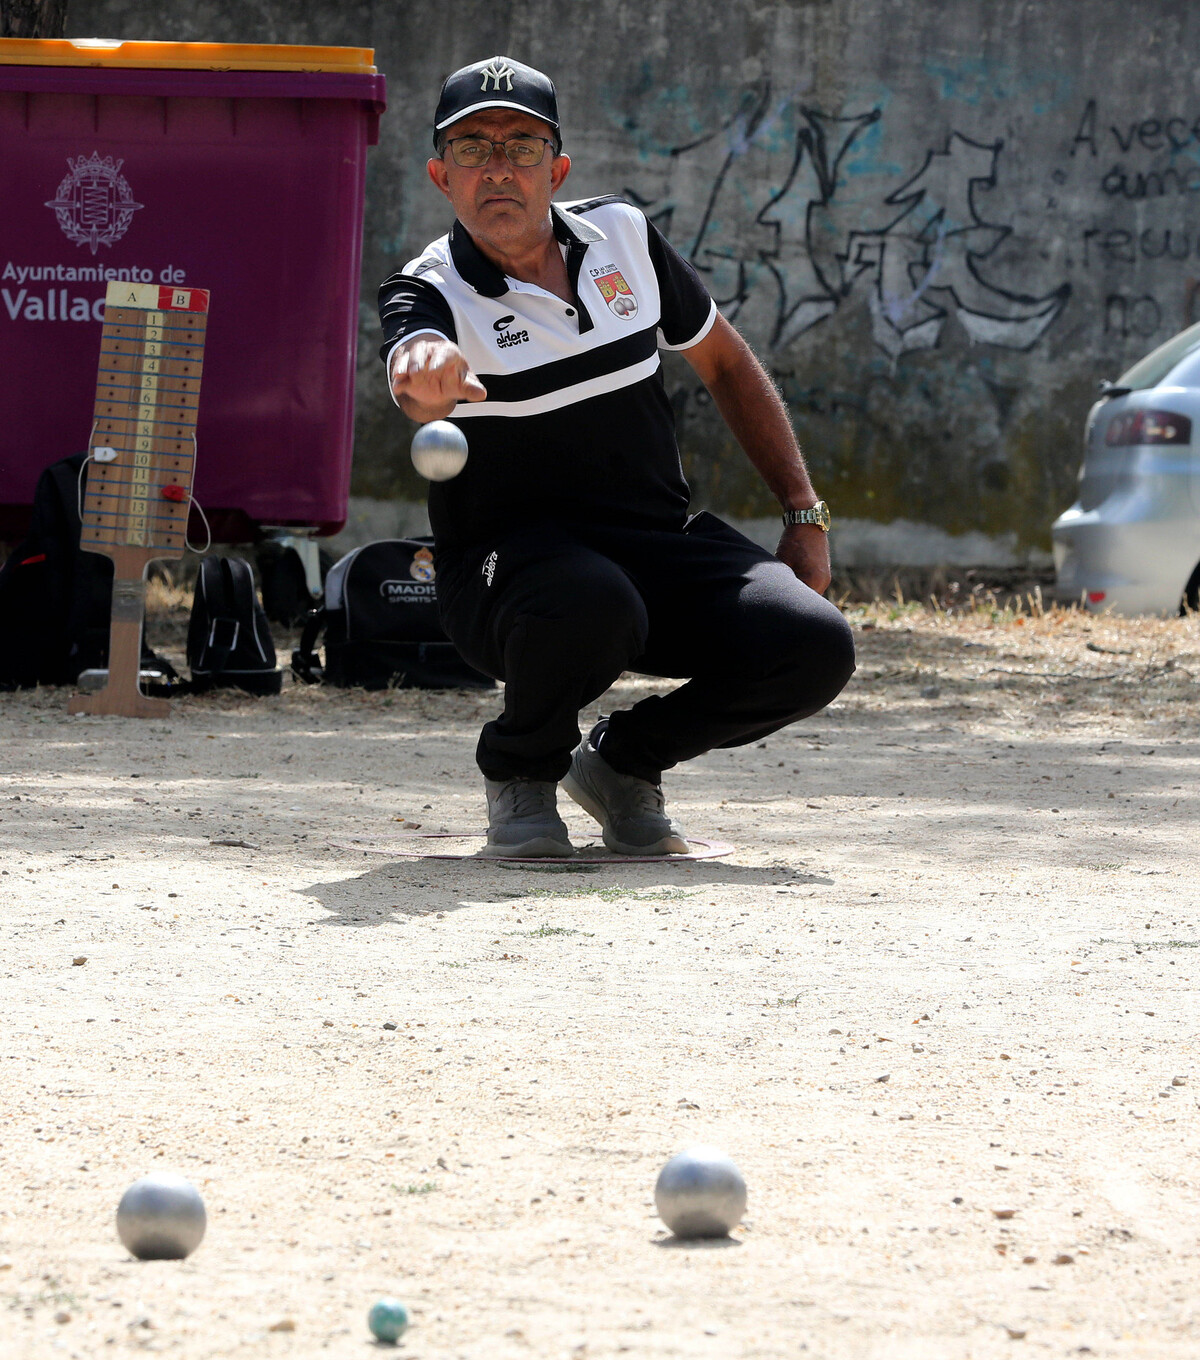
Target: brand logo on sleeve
column 94, row 203
column 617, row 293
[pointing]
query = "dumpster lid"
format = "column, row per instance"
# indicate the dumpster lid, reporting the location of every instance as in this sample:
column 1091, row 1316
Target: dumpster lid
column 113, row 52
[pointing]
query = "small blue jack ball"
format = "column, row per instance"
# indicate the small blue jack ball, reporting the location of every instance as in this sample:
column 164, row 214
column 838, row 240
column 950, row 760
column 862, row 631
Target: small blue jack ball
column 388, row 1321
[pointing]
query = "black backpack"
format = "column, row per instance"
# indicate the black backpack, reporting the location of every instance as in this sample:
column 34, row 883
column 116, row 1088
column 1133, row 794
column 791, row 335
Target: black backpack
column 55, row 600
column 229, row 642
column 381, row 624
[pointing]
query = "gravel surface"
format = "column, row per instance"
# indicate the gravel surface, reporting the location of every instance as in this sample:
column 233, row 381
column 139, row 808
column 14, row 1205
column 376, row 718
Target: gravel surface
column 939, row 1005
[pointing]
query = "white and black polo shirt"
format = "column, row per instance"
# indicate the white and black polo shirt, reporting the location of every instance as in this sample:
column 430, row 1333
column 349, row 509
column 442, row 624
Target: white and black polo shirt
column 576, row 427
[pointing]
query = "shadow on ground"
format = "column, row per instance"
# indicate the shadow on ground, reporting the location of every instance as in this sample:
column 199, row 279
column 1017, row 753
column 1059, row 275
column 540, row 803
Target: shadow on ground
column 369, row 899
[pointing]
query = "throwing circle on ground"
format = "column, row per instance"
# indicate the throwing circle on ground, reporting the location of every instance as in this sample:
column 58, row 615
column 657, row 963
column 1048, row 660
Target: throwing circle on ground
column 706, row 849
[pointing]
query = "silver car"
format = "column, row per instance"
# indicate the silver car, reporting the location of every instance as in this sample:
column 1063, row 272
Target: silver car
column 1131, row 542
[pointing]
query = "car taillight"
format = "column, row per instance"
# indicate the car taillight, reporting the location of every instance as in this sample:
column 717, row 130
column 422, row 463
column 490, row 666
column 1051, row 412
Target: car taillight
column 1148, row 427
column 1096, row 596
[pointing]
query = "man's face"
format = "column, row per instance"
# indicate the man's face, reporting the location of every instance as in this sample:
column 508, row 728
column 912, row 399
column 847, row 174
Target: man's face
column 501, row 204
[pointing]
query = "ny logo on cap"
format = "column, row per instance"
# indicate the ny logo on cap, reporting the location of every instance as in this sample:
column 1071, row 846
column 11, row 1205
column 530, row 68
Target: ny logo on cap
column 496, row 71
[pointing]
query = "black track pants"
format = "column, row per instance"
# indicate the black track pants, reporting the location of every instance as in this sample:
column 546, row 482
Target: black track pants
column 558, row 613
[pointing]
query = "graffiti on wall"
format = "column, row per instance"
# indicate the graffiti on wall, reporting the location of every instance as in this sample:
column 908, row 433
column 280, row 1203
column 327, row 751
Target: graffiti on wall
column 795, row 224
column 1150, row 162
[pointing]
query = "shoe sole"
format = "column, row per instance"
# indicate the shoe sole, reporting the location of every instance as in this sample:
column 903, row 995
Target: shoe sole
column 668, row 845
column 541, row 847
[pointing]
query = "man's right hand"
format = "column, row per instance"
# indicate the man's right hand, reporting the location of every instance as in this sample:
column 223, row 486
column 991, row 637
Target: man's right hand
column 430, row 376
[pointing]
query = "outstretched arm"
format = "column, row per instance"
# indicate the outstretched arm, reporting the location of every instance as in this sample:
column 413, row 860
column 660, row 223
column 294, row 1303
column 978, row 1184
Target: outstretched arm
column 754, row 411
column 429, row 376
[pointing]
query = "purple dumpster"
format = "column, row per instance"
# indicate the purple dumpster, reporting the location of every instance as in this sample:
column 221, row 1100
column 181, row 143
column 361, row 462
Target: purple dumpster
column 236, row 169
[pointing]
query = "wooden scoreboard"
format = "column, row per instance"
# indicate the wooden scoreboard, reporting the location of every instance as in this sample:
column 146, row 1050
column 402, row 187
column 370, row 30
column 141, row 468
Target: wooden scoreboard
column 141, row 458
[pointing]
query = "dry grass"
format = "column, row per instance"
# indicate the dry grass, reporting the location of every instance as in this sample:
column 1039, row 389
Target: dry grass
column 979, row 652
column 164, row 597
column 1024, row 661
column 949, row 586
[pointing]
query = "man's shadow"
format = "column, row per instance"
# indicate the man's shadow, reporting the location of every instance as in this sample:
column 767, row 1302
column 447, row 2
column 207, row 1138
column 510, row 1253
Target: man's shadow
column 371, row 899
column 395, row 891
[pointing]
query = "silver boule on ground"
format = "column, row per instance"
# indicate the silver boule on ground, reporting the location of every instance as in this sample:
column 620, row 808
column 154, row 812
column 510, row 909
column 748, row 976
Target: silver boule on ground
column 161, row 1217
column 439, row 451
column 700, row 1193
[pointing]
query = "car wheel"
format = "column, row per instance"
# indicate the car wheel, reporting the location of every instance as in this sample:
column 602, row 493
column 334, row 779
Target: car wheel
column 1190, row 603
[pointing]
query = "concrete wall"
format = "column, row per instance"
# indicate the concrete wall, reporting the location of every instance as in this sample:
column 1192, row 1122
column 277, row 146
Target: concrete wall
column 940, row 222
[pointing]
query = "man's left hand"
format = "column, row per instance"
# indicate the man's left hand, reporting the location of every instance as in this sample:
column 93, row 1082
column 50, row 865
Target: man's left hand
column 805, row 548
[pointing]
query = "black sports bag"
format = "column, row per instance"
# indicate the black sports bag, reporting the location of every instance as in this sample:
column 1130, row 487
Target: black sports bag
column 55, row 599
column 229, row 642
column 381, row 624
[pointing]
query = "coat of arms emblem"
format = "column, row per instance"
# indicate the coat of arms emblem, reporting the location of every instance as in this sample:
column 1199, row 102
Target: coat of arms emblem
column 617, row 293
column 94, row 203
column 422, row 565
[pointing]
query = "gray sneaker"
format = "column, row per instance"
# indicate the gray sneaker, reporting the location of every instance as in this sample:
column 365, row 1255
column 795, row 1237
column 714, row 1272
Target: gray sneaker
column 630, row 810
column 523, row 819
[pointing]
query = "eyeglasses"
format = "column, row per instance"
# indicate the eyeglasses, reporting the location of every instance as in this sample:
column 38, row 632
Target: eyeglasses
column 473, row 152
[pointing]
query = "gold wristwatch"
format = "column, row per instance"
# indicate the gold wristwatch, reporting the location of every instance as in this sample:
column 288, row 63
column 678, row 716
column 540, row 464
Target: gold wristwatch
column 818, row 515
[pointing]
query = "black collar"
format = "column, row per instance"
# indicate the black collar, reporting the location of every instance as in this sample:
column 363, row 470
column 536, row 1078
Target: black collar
column 474, row 266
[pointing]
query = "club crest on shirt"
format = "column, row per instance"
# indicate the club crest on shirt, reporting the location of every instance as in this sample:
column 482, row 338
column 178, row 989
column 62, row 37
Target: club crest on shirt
column 617, row 293
column 422, row 565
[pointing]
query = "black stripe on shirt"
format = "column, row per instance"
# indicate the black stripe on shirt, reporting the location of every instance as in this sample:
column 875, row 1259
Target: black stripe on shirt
column 407, row 304
column 578, row 368
column 684, row 300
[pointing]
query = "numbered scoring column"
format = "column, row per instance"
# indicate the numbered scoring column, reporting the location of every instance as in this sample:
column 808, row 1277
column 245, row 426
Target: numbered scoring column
column 143, row 448
column 150, row 369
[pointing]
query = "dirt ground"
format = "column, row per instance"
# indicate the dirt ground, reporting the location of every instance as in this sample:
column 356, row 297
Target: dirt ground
column 940, row 1005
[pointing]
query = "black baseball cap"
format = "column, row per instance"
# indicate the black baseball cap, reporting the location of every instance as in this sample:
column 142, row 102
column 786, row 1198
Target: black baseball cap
column 498, row 83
